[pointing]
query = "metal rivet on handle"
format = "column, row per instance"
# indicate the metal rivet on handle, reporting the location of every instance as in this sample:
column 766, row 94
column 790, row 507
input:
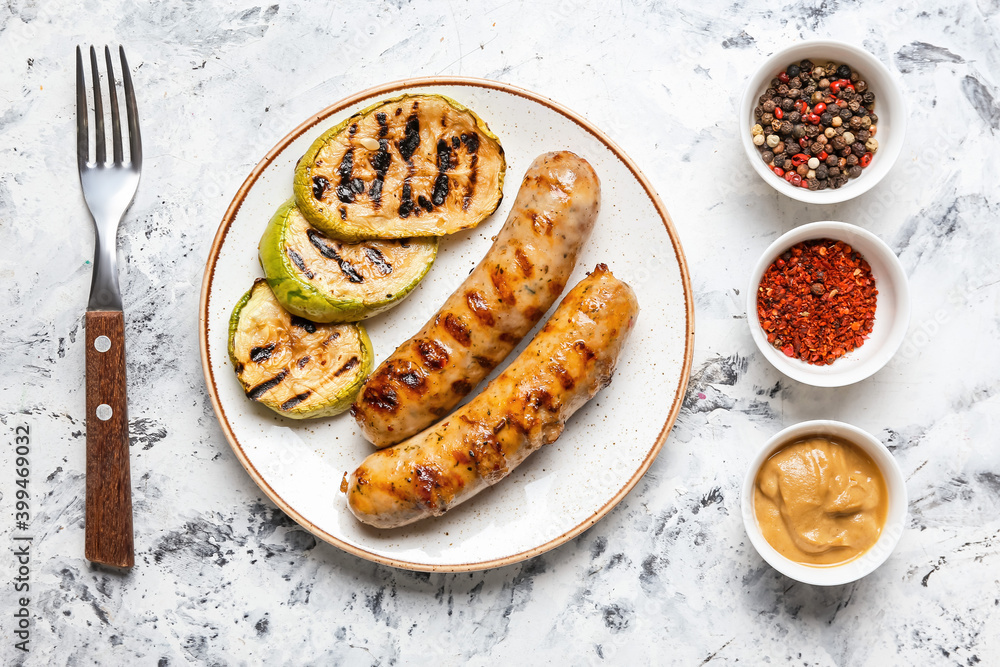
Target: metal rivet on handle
column 102, row 343
column 104, row 412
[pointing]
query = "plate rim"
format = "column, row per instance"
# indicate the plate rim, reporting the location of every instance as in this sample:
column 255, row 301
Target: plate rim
column 237, row 203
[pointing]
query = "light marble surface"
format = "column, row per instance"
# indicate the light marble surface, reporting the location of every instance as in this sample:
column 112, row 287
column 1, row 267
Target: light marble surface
column 222, row 577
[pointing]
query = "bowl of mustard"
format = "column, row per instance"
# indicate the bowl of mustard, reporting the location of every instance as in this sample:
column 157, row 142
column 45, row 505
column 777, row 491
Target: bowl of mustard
column 824, row 502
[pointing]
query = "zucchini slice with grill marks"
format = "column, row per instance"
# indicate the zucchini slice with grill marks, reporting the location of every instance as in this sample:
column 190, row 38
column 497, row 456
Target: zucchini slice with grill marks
column 326, row 280
column 416, row 165
column 294, row 366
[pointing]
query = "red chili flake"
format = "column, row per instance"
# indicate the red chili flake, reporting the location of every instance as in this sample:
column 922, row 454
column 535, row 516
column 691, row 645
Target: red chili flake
column 823, row 155
column 816, row 302
column 779, row 113
column 779, row 171
column 865, row 160
column 783, row 77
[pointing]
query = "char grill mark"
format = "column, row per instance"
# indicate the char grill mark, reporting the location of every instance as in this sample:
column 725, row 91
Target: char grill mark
column 411, row 138
column 295, row 400
column 298, row 261
column 541, row 224
column 428, row 479
column 565, row 378
column 461, row 387
column 409, row 144
column 380, row 160
column 343, row 212
column 454, row 325
column 433, row 354
column 444, row 166
column 479, row 307
column 471, row 142
column 260, row 354
column 377, row 259
column 504, row 291
column 582, row 348
column 523, row 263
column 409, row 375
column 256, row 392
column 308, row 325
column 303, row 361
column 320, row 184
column 406, row 206
column 382, row 398
column 321, row 243
column 349, row 187
column 348, row 365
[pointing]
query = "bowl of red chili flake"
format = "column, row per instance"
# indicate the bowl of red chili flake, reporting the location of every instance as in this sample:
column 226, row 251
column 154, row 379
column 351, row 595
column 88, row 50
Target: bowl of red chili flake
column 828, row 304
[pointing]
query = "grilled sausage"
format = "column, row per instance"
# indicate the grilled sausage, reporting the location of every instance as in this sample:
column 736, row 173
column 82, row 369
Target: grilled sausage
column 498, row 304
column 523, row 408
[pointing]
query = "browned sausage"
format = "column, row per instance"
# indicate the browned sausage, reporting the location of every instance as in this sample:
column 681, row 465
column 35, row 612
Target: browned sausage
column 498, row 304
column 523, row 408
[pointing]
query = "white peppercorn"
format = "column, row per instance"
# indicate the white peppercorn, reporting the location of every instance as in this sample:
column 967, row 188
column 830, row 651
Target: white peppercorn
column 772, row 140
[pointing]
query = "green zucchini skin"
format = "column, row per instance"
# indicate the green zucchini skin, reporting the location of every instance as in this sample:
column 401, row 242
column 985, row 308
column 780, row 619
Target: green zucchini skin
column 368, row 210
column 298, row 368
column 350, row 285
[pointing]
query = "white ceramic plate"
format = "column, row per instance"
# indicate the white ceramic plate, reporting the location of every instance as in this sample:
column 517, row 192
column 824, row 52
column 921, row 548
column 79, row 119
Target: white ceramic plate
column 561, row 490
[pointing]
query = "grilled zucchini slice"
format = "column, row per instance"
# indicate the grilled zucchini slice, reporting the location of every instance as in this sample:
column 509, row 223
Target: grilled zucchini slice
column 325, row 280
column 416, row 165
column 296, row 367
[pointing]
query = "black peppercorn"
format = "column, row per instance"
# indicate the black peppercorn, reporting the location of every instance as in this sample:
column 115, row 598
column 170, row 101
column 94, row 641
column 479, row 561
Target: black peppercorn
column 779, row 161
column 793, row 116
column 868, row 97
column 787, row 104
column 833, row 172
column 855, row 123
column 798, row 131
column 768, row 106
column 822, row 172
column 858, row 149
column 786, row 127
column 843, row 72
column 767, row 157
column 854, row 171
column 852, row 160
column 845, row 114
column 874, row 118
column 831, row 160
column 792, row 71
column 826, row 118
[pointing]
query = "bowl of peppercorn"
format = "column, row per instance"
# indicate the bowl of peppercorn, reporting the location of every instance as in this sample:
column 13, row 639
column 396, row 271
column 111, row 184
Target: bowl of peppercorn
column 822, row 121
column 828, row 304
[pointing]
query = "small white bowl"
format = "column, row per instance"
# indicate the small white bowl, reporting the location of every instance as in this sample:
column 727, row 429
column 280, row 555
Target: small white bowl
column 889, row 107
column 830, row 575
column 892, row 310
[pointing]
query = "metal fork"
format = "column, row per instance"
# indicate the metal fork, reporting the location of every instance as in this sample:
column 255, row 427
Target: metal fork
column 108, row 188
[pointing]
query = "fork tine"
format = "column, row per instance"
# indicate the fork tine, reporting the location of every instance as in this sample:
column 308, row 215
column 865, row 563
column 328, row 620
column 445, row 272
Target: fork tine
column 134, row 140
column 116, row 127
column 102, row 149
column 82, row 138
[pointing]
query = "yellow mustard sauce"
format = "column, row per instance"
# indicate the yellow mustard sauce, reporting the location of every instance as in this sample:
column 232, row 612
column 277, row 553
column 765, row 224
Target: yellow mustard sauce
column 820, row 501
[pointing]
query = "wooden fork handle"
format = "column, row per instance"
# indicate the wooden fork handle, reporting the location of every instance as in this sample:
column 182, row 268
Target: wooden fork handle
column 109, row 488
